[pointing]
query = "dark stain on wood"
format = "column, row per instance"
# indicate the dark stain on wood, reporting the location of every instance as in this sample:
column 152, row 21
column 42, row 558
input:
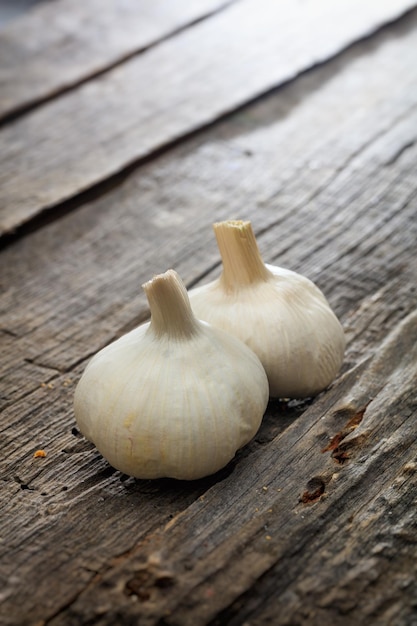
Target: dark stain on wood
column 340, row 452
column 314, row 490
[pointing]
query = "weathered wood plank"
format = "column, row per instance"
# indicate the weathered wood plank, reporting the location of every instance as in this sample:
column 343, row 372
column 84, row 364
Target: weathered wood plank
column 275, row 164
column 73, row 143
column 62, row 43
column 329, row 182
column 18, row 373
column 69, row 492
column 253, row 510
column 75, row 490
column 262, row 525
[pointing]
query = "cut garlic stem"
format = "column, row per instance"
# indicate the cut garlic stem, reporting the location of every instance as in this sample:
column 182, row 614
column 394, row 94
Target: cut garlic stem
column 281, row 315
column 171, row 312
column 242, row 262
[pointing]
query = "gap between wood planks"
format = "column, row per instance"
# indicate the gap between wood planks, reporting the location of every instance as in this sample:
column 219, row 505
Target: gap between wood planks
column 33, row 102
column 53, row 213
column 56, row 190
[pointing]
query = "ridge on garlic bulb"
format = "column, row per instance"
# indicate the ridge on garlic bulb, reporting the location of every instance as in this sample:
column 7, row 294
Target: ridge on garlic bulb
column 174, row 397
column 281, row 315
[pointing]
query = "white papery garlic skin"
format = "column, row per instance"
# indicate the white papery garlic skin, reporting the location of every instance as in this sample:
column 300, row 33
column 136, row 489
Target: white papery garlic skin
column 282, row 316
column 174, row 397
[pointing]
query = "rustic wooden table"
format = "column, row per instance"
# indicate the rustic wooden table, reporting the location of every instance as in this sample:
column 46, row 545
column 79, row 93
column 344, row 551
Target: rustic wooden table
column 127, row 129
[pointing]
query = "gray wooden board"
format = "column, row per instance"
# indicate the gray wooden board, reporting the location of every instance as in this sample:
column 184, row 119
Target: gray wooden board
column 90, row 265
column 325, row 169
column 65, row 42
column 80, row 139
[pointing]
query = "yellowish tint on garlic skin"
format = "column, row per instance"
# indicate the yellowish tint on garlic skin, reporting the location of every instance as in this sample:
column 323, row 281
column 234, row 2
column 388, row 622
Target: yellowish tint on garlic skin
column 174, row 397
column 281, row 315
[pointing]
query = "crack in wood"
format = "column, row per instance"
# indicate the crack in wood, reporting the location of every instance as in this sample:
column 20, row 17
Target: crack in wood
column 23, row 484
column 8, row 332
column 399, row 153
column 352, row 423
column 340, row 169
column 34, row 361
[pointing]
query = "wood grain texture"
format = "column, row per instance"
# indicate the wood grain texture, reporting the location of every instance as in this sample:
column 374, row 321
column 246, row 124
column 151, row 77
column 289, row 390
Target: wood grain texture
column 253, row 532
column 64, row 42
column 80, row 139
column 277, row 163
column 296, row 529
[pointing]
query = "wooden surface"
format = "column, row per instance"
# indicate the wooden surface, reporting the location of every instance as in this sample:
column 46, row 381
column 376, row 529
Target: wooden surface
column 76, row 141
column 65, row 42
column 314, row 522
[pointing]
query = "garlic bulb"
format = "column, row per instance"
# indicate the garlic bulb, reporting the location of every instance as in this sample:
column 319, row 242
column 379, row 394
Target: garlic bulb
column 174, row 397
column 281, row 315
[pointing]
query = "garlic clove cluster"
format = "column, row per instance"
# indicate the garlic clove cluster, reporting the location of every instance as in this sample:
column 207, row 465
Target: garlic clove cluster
column 282, row 316
column 173, row 398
